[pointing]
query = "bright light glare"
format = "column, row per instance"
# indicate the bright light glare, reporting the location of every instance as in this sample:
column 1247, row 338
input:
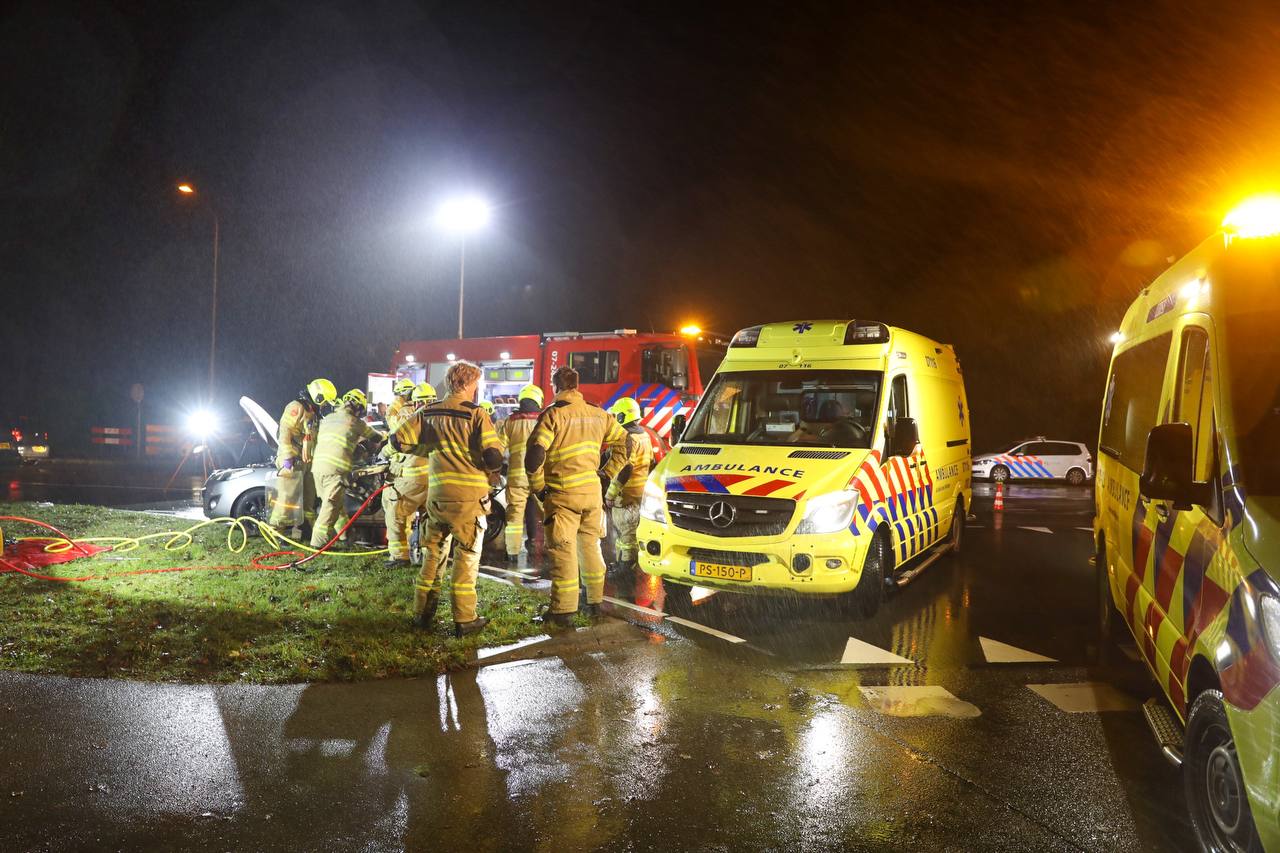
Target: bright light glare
column 451, row 357
column 691, row 330
column 1117, row 337
column 202, row 423
column 408, row 359
column 1257, row 217
column 463, row 214
column 505, row 356
column 186, row 188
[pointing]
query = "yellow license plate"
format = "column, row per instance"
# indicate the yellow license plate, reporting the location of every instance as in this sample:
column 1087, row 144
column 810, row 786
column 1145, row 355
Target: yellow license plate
column 39, row 448
column 4, row 445
column 720, row 571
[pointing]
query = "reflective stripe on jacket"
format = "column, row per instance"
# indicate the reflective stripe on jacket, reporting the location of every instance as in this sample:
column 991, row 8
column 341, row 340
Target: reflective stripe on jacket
column 297, row 432
column 455, row 435
column 573, row 433
column 336, row 441
column 515, row 432
column 628, row 486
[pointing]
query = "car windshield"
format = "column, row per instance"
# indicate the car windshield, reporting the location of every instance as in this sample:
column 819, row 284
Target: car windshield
column 812, row 408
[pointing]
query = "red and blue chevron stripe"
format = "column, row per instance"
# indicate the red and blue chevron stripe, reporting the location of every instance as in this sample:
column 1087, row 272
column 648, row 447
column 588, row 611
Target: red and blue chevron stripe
column 660, row 403
column 1030, row 467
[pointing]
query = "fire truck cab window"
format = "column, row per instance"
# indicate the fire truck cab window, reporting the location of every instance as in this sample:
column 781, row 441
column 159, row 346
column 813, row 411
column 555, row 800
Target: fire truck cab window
column 595, row 368
column 666, row 366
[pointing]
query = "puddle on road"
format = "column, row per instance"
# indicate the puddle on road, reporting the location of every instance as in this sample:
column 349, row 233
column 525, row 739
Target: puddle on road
column 918, row 701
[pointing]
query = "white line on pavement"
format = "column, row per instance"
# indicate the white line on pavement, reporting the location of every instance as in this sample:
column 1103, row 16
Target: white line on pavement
column 858, row 653
column 649, row 611
column 1085, row 697
column 712, row 631
column 997, row 652
column 1037, row 529
column 1085, row 529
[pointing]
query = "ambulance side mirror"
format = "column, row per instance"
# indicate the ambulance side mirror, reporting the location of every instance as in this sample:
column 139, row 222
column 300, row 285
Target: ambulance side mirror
column 677, row 428
column 1167, row 472
column 906, row 435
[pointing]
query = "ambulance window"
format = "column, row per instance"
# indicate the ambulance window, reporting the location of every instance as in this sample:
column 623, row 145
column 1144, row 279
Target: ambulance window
column 1193, row 399
column 595, row 368
column 899, row 405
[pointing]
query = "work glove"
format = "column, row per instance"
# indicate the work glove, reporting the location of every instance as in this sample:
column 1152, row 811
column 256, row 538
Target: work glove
column 286, row 468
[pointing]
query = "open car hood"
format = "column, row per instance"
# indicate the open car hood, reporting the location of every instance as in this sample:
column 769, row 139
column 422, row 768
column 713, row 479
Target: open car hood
column 266, row 425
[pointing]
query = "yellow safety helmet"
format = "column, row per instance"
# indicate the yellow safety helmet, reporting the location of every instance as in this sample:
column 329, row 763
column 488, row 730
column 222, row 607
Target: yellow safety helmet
column 423, row 392
column 321, row 391
column 355, row 398
column 531, row 392
column 487, row 406
column 626, row 410
column 403, row 387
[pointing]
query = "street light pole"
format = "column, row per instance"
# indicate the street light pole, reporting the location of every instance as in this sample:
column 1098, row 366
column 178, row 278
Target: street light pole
column 188, row 189
column 462, row 280
column 462, row 216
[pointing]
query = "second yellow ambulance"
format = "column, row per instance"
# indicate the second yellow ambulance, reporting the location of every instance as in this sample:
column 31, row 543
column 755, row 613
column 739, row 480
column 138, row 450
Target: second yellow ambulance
column 824, row 457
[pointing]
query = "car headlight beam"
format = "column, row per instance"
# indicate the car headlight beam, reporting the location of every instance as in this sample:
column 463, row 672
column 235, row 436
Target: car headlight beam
column 652, row 504
column 829, row 513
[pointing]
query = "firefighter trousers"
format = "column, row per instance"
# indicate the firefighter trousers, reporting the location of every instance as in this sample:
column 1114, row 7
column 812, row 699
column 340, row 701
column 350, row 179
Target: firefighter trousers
column 626, row 519
column 575, row 524
column 333, row 508
column 464, row 522
column 410, row 495
column 517, row 500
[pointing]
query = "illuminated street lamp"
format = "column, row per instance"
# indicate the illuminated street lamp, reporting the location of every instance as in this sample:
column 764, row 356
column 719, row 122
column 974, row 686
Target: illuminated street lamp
column 463, row 215
column 189, row 190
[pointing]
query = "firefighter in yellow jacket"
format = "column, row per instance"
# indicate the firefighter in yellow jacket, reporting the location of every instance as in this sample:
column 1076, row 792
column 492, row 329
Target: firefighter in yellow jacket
column 411, row 481
column 339, row 433
column 401, row 391
column 463, row 453
column 295, row 497
column 514, row 433
column 627, row 488
column 562, row 460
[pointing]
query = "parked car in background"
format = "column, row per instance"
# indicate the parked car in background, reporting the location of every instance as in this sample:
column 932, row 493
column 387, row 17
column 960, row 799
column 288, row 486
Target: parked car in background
column 1037, row 459
column 25, row 439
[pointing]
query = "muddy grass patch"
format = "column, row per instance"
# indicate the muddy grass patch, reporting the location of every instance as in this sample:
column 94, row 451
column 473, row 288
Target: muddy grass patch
column 345, row 619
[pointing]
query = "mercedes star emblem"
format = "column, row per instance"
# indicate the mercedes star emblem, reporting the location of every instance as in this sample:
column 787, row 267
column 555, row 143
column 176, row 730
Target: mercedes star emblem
column 723, row 513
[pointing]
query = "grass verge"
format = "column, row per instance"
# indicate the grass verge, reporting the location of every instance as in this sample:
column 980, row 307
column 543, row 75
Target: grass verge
column 345, row 619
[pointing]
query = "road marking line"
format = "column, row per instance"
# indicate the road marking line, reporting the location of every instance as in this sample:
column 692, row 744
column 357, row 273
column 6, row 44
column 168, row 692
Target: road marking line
column 649, row 611
column 997, row 652
column 918, row 701
column 1037, row 529
column 1087, row 697
column 1085, row 529
column 712, row 631
column 858, row 653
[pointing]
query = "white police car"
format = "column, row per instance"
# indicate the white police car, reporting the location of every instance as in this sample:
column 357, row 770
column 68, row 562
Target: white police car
column 1037, row 459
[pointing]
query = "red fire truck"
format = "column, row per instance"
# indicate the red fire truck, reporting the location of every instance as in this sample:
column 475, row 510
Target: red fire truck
column 664, row 372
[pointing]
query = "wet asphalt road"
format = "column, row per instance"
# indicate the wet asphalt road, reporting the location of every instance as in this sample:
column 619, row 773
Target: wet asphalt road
column 737, row 729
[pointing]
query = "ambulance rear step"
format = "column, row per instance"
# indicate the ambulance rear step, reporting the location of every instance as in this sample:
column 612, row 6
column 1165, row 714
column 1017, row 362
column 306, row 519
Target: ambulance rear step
column 904, row 578
column 1165, row 728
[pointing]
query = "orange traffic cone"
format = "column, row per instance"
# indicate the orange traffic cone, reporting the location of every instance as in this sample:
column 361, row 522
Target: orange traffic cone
column 998, row 506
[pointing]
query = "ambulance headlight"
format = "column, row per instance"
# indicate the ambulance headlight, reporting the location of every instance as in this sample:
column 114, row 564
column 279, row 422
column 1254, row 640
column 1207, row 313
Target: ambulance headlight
column 1271, row 623
column 829, row 513
column 651, row 504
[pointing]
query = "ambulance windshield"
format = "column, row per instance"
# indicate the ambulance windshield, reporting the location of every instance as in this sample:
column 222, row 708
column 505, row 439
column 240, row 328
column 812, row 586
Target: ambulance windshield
column 806, row 408
column 1254, row 351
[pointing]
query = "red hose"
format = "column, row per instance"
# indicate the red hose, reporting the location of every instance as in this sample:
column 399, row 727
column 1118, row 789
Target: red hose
column 255, row 563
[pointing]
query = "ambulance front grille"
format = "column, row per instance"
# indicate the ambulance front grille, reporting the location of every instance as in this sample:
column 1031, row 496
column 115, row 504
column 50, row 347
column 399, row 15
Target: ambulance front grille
column 817, row 454
column 734, row 515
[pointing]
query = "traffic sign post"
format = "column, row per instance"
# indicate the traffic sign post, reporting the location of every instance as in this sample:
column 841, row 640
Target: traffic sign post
column 135, row 394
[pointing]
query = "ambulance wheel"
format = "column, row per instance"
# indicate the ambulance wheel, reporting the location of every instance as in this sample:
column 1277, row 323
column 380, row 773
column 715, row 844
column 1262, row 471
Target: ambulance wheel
column 1075, row 477
column 957, row 528
column 1214, row 784
column 864, row 600
column 496, row 523
column 1000, row 474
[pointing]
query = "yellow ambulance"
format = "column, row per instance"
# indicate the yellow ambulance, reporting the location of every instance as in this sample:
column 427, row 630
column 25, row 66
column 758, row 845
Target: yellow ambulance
column 1188, row 519
column 825, row 457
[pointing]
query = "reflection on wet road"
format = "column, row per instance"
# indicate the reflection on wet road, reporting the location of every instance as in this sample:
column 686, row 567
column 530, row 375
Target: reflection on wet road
column 916, row 730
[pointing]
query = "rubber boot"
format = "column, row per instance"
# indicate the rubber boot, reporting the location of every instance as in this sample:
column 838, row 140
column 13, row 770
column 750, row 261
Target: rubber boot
column 592, row 612
column 395, row 563
column 426, row 620
column 463, row 629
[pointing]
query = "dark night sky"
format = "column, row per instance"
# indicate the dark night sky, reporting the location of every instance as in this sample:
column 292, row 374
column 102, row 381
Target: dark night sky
column 1005, row 180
